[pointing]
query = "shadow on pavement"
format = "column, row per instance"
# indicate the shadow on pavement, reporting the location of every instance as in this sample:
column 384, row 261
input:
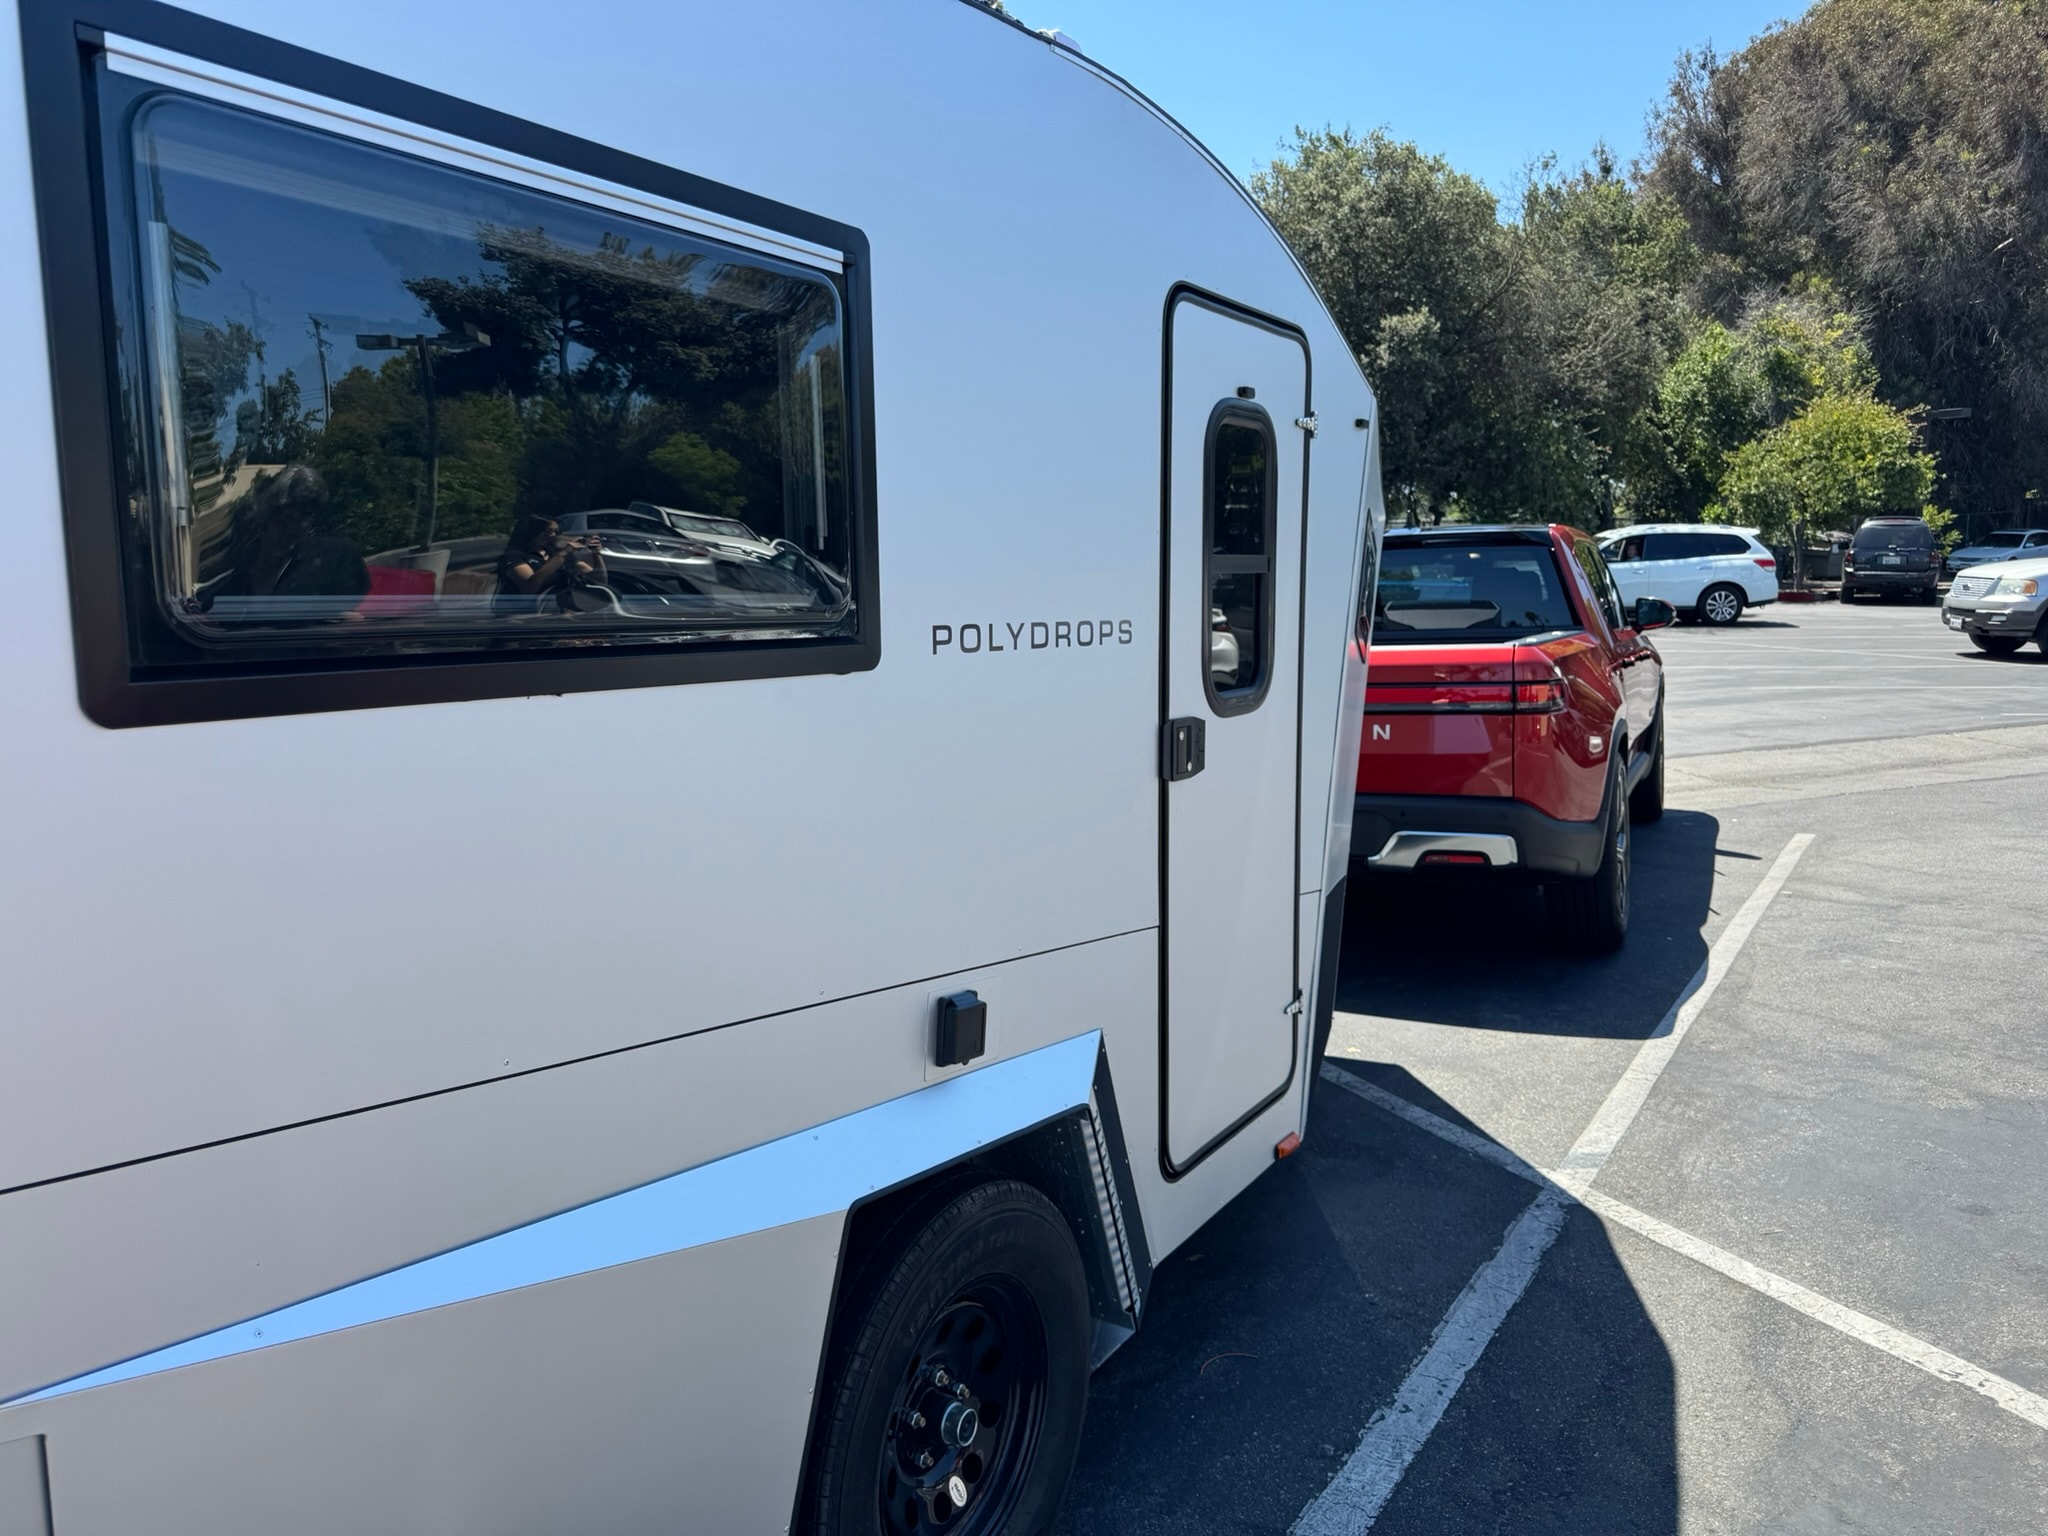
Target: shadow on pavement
column 1480, row 953
column 1282, row 1326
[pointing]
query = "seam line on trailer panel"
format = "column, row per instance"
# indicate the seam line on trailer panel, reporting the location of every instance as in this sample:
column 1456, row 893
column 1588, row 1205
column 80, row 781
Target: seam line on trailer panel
column 553, row 1066
column 1395, row 1435
column 812, row 1172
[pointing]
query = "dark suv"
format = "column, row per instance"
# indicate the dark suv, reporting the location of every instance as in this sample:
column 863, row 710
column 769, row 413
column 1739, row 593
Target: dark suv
column 1891, row 554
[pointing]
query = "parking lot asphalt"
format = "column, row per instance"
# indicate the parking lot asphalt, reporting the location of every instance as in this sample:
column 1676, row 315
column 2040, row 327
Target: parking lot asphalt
column 1806, row 1292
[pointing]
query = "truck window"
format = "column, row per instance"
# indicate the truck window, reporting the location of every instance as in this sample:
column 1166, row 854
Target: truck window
column 1454, row 590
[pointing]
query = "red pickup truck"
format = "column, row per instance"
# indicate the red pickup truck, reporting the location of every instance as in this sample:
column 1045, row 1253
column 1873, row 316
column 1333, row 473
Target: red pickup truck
column 1514, row 719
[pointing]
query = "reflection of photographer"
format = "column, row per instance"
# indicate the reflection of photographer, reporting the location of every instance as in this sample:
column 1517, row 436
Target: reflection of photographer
column 283, row 545
column 540, row 559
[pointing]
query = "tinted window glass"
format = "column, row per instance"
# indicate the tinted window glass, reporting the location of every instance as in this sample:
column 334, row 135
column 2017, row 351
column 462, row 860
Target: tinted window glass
column 2006, row 540
column 1434, row 591
column 1668, row 546
column 402, row 407
column 1725, row 544
column 1894, row 536
column 1240, row 555
column 1599, row 579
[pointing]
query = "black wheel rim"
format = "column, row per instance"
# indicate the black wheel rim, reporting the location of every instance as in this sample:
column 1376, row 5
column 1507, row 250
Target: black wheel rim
column 966, row 1416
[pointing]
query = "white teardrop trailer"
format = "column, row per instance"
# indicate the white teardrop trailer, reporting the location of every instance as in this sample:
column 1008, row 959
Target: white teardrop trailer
column 680, row 715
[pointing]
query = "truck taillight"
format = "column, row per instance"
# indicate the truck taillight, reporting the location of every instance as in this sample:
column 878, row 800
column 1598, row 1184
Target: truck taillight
column 1542, row 698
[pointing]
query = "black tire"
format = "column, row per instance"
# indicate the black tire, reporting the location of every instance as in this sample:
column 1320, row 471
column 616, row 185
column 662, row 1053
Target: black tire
column 1646, row 804
column 1591, row 911
column 1848, row 594
column 1997, row 645
column 991, row 1262
column 1721, row 605
column 2041, row 635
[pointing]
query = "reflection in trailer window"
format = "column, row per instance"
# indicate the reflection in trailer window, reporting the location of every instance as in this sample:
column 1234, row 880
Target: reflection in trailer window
column 1238, row 555
column 384, row 405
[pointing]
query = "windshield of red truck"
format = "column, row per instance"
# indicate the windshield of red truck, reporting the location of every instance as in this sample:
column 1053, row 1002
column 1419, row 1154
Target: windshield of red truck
column 1477, row 591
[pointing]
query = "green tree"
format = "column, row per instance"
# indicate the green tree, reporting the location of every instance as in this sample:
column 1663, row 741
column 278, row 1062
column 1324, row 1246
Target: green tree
column 1727, row 386
column 1412, row 260
column 1892, row 150
column 1841, row 459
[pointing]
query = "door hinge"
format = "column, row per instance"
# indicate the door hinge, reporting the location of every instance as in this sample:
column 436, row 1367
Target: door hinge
column 1293, row 1009
column 1308, row 423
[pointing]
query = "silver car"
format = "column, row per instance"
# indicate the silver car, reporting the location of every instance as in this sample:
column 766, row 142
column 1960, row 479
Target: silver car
column 2006, row 544
column 2000, row 606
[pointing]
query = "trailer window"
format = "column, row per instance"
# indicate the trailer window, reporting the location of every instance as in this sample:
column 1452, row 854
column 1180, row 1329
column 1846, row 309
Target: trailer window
column 1238, row 551
column 387, row 405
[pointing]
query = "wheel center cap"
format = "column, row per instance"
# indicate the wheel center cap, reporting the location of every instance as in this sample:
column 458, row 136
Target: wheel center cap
column 959, row 1425
column 956, row 1490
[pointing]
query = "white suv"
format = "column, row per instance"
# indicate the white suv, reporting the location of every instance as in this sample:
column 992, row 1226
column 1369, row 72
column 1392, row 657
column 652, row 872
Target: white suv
column 1704, row 571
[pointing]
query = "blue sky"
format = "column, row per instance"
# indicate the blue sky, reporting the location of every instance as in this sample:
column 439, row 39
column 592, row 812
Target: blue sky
column 1488, row 84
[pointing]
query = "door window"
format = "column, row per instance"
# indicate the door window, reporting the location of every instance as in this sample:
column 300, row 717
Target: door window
column 1597, row 578
column 1238, row 525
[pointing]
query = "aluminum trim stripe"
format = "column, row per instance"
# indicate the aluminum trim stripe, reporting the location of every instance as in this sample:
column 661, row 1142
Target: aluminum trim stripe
column 813, row 1172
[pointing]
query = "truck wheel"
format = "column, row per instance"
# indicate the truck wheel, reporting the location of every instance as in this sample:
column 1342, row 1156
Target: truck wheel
column 1721, row 605
column 1647, row 803
column 1996, row 645
column 1592, row 910
column 953, row 1395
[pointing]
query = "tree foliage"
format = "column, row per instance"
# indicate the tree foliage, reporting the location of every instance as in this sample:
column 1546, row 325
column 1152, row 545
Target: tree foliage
column 1827, row 285
column 1896, row 151
column 1841, row 459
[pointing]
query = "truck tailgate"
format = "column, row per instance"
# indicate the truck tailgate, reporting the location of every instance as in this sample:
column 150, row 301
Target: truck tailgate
column 1441, row 719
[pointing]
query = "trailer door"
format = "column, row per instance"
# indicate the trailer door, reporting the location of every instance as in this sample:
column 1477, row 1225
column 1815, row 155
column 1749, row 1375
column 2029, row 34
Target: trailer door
column 1235, row 465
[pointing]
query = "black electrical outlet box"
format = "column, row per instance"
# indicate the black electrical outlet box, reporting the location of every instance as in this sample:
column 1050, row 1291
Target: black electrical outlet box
column 963, row 1029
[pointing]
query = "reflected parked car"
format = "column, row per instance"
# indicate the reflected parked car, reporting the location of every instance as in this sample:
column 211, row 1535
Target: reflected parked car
column 1224, row 651
column 1706, row 572
column 2001, row 606
column 2008, row 544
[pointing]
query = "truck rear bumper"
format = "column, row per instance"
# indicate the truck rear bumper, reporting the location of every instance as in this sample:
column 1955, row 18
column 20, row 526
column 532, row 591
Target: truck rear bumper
column 1390, row 832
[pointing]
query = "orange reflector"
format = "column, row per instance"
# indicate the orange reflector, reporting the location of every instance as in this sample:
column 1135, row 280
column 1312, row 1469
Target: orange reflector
column 1287, row 1145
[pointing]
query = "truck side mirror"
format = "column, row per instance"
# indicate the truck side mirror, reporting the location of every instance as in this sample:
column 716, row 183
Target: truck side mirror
column 1653, row 613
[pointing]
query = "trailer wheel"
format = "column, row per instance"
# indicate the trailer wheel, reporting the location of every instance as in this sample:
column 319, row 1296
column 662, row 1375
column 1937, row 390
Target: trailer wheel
column 953, row 1397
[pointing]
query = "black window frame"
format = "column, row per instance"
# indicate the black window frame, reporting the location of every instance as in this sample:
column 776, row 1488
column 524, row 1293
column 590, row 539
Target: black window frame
column 1240, row 701
column 61, row 41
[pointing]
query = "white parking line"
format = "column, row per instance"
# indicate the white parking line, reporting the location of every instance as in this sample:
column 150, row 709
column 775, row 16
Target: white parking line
column 1362, row 1486
column 2012, row 1397
column 1355, row 1496
column 1625, row 1100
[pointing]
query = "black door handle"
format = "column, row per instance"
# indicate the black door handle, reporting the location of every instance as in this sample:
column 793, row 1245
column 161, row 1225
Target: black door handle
column 1183, row 748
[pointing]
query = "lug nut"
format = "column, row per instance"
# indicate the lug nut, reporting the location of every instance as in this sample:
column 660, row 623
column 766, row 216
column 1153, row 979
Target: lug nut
column 924, row 1461
column 917, row 1421
column 961, row 1391
column 940, row 1378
